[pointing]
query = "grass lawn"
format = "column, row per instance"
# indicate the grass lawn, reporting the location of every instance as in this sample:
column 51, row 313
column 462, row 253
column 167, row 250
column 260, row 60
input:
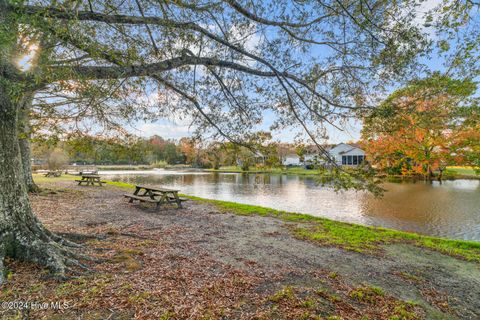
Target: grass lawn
column 461, row 171
column 454, row 171
column 290, row 170
column 40, row 179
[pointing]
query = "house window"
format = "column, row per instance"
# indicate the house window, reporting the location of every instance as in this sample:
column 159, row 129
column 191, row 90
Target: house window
column 344, row 160
column 355, row 160
column 349, row 160
column 360, row 159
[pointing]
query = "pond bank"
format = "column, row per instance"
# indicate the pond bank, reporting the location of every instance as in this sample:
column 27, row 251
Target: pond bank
column 452, row 173
column 220, row 259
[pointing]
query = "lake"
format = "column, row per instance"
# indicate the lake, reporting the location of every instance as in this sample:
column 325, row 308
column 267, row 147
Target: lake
column 449, row 209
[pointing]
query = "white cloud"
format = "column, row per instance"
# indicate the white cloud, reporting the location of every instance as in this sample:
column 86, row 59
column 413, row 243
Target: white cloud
column 248, row 37
column 167, row 130
column 426, row 7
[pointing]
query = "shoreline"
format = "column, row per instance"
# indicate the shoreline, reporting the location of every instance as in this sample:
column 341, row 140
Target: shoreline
column 299, row 171
column 343, row 234
column 312, row 172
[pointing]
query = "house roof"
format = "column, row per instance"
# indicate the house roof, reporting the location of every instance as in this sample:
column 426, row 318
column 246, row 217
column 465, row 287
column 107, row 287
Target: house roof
column 312, row 149
column 347, row 151
column 352, row 146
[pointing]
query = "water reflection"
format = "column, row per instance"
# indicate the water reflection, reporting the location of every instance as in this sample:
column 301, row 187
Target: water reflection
column 449, row 209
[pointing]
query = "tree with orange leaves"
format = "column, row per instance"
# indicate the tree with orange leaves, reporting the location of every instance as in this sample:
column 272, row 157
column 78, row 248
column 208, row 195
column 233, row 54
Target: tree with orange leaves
column 422, row 128
column 190, row 149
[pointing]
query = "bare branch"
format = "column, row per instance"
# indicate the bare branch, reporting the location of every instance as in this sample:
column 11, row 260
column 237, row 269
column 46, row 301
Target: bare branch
column 238, row 7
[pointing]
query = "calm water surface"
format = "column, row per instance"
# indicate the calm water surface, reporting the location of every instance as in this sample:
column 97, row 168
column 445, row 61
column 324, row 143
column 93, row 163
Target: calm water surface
column 450, row 209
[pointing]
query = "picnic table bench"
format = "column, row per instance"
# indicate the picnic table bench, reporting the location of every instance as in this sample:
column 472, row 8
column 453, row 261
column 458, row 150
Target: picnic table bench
column 155, row 195
column 88, row 172
column 53, row 173
column 90, row 179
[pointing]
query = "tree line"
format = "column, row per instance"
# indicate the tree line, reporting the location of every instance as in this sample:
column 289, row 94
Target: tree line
column 101, row 150
column 156, row 151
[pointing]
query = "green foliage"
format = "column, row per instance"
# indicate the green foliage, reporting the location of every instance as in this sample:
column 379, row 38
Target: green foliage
column 159, row 164
column 361, row 178
column 104, row 150
column 245, row 165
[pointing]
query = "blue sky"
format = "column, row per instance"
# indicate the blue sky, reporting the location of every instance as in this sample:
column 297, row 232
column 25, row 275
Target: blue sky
column 351, row 130
column 169, row 129
column 176, row 129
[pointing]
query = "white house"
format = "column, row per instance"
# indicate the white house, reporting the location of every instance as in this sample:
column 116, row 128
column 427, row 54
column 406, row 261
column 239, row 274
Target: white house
column 291, row 160
column 343, row 153
column 347, row 154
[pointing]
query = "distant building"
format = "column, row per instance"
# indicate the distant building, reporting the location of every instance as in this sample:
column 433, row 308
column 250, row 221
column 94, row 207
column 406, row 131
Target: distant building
column 291, row 160
column 343, row 154
column 347, row 154
column 254, row 158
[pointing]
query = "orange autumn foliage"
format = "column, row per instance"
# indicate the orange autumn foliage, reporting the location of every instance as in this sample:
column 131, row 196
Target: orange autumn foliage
column 421, row 129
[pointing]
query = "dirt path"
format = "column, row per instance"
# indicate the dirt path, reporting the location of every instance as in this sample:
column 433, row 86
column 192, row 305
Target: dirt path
column 197, row 262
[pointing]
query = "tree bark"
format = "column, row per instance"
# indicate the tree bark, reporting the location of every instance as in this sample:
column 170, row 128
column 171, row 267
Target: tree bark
column 22, row 236
column 440, row 174
column 24, row 135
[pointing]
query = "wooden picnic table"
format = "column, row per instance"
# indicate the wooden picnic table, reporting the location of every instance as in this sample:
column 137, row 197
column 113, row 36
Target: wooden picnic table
column 90, row 179
column 53, row 173
column 155, row 195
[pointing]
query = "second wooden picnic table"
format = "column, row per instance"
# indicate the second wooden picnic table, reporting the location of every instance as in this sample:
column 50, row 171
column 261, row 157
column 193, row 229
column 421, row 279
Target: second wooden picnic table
column 155, row 195
column 53, row 173
column 90, row 179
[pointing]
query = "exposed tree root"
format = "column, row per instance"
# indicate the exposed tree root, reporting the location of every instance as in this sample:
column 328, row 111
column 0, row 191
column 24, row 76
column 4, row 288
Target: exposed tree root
column 133, row 235
column 44, row 248
column 33, row 188
column 78, row 237
column 62, row 240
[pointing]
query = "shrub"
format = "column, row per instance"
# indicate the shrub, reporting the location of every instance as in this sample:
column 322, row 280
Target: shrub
column 159, row 164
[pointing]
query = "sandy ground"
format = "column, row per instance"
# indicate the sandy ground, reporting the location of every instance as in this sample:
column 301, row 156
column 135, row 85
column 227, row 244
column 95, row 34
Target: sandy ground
column 198, row 263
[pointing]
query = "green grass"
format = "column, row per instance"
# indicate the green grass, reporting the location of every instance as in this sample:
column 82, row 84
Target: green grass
column 351, row 236
column 120, row 184
column 366, row 293
column 125, row 167
column 290, row 170
column 285, row 293
column 461, row 171
column 453, row 172
column 40, row 179
column 329, row 232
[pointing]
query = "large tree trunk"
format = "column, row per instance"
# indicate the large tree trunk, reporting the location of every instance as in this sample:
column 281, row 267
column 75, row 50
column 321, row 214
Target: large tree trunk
column 22, row 236
column 24, row 141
